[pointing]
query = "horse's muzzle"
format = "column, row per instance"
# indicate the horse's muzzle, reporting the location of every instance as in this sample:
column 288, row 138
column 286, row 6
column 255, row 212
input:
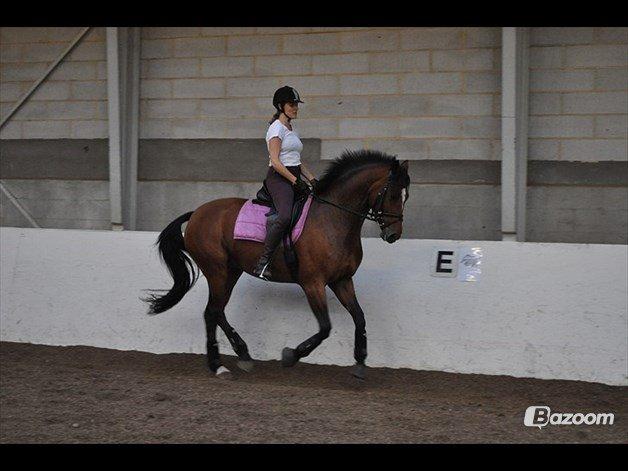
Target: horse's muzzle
column 389, row 237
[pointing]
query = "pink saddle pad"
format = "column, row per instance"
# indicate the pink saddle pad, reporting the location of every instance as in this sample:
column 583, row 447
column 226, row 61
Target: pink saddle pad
column 251, row 221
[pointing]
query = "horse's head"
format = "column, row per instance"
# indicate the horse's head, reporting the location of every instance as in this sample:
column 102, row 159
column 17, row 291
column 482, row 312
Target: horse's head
column 388, row 199
column 387, row 183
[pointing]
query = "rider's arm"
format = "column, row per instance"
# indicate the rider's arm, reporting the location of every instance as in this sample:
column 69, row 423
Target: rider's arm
column 306, row 171
column 274, row 147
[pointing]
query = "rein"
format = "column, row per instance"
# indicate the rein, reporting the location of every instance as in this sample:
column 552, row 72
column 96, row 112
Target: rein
column 374, row 213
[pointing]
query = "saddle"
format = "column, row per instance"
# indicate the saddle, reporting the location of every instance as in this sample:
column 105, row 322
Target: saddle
column 264, row 198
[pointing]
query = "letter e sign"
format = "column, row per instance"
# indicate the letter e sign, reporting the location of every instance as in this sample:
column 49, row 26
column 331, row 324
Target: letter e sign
column 445, row 263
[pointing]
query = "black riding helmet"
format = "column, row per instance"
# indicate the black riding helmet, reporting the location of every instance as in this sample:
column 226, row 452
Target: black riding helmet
column 285, row 94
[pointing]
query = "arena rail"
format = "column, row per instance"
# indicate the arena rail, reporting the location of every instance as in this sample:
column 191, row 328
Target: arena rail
column 542, row 310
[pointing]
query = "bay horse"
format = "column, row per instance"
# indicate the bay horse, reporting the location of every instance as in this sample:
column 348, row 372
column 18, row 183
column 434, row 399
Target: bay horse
column 358, row 185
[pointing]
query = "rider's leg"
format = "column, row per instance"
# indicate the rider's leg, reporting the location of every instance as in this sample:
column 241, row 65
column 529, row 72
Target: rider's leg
column 274, row 230
column 283, row 197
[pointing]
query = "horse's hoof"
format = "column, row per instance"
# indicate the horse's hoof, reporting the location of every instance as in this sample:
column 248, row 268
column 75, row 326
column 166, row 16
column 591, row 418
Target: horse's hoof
column 223, row 373
column 359, row 371
column 246, row 365
column 288, row 357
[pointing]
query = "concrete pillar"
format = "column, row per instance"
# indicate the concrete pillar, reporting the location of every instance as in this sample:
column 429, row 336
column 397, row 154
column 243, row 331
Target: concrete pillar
column 515, row 73
column 123, row 75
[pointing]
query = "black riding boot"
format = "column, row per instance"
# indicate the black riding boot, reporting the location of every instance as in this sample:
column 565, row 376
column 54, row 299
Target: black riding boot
column 274, row 232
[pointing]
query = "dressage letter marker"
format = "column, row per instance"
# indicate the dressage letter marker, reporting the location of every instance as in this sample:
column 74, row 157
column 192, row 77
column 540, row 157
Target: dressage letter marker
column 445, row 263
column 464, row 263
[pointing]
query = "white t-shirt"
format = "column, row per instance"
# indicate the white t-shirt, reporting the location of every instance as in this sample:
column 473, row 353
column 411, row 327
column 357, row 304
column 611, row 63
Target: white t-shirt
column 291, row 145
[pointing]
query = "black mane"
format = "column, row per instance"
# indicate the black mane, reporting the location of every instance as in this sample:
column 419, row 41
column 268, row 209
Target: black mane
column 348, row 162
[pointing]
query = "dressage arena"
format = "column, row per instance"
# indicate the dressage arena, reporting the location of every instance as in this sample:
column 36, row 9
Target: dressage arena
column 492, row 271
column 445, row 368
column 91, row 395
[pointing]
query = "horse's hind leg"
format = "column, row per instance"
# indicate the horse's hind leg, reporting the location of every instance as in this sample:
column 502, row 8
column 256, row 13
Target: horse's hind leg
column 345, row 292
column 221, row 283
column 317, row 299
column 213, row 355
column 245, row 362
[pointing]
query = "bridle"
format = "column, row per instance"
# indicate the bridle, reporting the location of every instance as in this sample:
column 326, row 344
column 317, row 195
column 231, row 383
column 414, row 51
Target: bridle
column 375, row 212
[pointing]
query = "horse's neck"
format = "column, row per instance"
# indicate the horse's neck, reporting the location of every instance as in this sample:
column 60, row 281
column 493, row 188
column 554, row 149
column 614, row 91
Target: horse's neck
column 353, row 193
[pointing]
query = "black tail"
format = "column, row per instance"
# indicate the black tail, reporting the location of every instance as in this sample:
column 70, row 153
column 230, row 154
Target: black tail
column 171, row 249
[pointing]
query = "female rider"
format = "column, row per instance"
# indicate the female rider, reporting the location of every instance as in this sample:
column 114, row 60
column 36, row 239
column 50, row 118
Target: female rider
column 283, row 176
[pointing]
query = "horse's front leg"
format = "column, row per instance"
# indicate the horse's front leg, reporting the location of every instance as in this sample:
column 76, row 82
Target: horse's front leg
column 344, row 291
column 317, row 299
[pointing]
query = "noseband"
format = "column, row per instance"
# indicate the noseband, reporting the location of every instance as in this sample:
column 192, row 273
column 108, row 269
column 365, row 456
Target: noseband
column 374, row 213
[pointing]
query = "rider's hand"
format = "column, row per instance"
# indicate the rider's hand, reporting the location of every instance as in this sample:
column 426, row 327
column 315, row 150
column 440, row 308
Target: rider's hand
column 300, row 186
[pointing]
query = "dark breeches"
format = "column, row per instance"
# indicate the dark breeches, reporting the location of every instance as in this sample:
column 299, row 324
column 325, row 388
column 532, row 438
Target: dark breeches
column 282, row 192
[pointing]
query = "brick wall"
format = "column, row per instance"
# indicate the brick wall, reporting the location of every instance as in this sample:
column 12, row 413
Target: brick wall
column 425, row 94
column 579, row 94
column 420, row 93
column 71, row 103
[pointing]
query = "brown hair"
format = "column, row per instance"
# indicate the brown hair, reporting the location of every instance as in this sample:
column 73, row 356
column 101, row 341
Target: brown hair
column 275, row 116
